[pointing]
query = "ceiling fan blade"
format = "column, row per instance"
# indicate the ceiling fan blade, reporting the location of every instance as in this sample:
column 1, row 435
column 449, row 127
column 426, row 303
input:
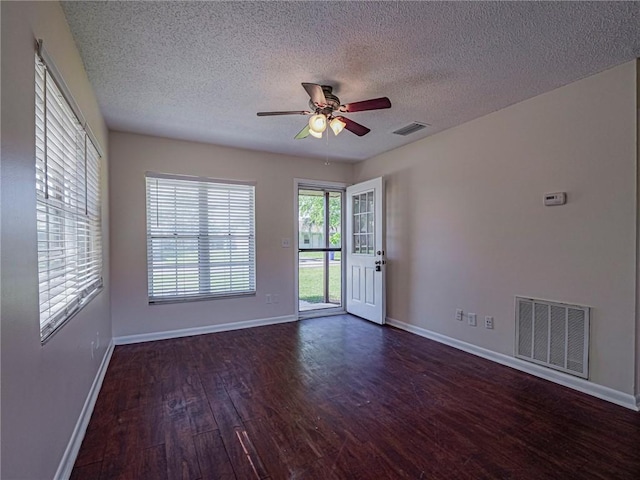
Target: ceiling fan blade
column 304, row 133
column 316, row 94
column 373, row 104
column 354, row 127
column 290, row 112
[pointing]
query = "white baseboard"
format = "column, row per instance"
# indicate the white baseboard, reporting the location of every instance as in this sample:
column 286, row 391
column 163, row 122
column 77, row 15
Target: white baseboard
column 584, row 386
column 189, row 332
column 73, row 447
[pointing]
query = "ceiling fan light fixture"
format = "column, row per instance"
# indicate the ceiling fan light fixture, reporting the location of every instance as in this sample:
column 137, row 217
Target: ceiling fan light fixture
column 337, row 125
column 317, row 124
column 313, row 133
column 324, row 104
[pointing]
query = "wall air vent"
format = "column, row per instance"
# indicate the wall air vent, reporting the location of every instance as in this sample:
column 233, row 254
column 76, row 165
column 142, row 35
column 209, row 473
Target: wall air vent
column 555, row 335
column 411, row 128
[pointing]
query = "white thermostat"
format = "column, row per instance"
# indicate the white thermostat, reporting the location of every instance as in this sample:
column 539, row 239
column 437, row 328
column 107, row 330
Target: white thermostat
column 559, row 198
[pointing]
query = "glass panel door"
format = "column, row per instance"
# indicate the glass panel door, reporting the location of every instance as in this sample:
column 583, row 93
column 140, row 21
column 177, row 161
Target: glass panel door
column 364, row 251
column 320, row 249
column 363, row 223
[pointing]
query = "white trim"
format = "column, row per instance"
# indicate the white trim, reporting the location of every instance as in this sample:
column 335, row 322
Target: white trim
column 319, row 183
column 296, row 246
column 579, row 384
column 297, row 182
column 321, row 312
column 75, row 441
column 176, row 176
column 189, row 332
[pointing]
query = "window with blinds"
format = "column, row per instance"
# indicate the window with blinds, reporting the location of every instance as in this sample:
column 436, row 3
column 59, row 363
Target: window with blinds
column 200, row 238
column 68, row 207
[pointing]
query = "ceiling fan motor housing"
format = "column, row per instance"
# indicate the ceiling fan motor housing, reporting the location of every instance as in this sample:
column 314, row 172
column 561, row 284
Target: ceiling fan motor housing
column 333, row 102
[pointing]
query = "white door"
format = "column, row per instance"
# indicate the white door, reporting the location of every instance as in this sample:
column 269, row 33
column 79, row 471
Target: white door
column 365, row 250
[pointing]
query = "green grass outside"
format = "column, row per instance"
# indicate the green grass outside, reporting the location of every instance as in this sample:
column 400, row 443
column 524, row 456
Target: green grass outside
column 318, row 255
column 311, row 288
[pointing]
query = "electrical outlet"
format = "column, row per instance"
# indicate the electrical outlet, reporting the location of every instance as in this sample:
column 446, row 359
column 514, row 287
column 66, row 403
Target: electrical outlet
column 92, row 349
column 267, row 298
column 488, row 322
column 275, row 297
column 473, row 319
column 459, row 314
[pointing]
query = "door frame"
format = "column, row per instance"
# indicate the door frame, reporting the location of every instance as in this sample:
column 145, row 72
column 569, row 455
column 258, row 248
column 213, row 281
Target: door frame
column 303, row 182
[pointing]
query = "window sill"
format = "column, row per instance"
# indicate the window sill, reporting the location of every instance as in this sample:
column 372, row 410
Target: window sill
column 44, row 339
column 202, row 298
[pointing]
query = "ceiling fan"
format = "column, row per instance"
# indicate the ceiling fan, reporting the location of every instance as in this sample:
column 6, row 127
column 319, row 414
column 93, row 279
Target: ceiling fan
column 325, row 106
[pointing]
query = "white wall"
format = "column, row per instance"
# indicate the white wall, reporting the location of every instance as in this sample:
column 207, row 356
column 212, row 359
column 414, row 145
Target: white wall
column 43, row 387
column 466, row 227
column 131, row 156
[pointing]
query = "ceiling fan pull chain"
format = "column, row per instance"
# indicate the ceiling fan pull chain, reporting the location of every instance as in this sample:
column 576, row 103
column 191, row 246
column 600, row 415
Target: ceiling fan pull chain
column 326, row 158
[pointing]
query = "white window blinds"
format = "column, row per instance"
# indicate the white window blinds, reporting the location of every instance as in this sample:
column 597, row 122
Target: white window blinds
column 68, row 207
column 200, row 238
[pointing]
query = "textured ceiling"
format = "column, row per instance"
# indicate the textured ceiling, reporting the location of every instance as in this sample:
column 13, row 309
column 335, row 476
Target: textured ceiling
column 201, row 70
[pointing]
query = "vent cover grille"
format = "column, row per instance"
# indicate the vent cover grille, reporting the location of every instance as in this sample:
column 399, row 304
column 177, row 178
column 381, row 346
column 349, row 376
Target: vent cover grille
column 411, row 128
column 552, row 334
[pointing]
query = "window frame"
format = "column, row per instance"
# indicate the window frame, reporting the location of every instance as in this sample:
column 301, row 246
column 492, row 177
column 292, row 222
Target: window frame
column 68, row 193
column 198, row 232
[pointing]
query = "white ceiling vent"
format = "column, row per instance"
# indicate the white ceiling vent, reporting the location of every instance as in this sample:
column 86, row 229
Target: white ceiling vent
column 555, row 335
column 411, row 128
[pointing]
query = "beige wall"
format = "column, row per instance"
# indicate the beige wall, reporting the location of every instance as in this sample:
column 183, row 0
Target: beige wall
column 466, row 227
column 43, row 387
column 638, row 235
column 131, row 156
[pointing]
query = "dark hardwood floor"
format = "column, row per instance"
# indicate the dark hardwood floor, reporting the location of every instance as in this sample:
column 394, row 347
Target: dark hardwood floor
column 341, row 398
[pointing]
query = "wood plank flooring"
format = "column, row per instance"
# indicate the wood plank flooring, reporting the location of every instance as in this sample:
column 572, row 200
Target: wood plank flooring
column 342, row 398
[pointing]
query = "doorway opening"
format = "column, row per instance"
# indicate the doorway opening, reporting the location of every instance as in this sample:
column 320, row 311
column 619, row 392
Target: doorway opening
column 320, row 255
